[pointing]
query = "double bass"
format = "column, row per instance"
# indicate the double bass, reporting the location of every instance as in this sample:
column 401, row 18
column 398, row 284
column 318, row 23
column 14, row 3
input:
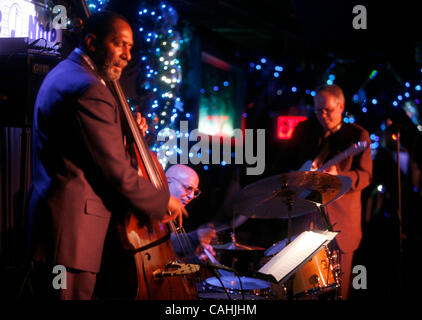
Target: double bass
column 159, row 273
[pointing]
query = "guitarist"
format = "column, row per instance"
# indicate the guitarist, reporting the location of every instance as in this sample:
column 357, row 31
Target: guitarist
column 320, row 138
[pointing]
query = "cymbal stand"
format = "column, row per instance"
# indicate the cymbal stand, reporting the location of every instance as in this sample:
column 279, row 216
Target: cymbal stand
column 324, row 216
column 285, row 190
column 287, row 193
column 330, row 258
column 233, row 239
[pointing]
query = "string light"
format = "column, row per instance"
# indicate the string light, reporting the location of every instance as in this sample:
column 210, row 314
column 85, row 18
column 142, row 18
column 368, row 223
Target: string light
column 160, row 57
column 359, row 98
column 160, row 67
column 164, row 75
column 373, row 74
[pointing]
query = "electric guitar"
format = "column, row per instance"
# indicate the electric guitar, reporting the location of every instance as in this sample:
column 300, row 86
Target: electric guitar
column 354, row 149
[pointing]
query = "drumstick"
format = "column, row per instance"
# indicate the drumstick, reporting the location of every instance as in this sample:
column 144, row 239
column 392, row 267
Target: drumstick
column 210, row 255
column 236, row 222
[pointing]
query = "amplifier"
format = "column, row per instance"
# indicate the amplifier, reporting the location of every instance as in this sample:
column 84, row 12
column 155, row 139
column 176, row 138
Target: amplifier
column 22, row 70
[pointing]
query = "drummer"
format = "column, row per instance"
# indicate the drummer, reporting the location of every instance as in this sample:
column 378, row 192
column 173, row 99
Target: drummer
column 183, row 184
column 320, row 138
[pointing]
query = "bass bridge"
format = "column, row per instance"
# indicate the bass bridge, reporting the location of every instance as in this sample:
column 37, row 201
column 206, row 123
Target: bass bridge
column 173, row 269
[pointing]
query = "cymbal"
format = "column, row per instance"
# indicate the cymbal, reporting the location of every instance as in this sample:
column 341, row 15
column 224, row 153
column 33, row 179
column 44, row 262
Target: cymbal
column 234, row 246
column 289, row 194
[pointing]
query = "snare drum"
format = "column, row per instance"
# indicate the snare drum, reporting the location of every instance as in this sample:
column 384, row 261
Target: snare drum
column 253, row 289
column 316, row 276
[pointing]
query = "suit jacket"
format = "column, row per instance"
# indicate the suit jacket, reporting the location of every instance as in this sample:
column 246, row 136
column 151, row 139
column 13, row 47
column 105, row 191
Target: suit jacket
column 344, row 213
column 81, row 172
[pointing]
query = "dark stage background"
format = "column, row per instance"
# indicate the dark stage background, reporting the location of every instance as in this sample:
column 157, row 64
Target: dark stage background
column 311, row 40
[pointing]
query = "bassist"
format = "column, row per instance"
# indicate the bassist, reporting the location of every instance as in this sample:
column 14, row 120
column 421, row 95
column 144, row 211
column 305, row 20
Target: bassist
column 82, row 176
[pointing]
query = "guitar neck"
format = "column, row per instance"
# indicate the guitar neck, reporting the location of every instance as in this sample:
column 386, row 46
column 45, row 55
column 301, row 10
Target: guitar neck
column 353, row 150
column 333, row 161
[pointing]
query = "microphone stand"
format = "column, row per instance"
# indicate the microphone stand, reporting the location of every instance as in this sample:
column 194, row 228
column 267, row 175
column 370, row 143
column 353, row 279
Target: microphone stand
column 399, row 192
column 233, row 236
column 399, row 209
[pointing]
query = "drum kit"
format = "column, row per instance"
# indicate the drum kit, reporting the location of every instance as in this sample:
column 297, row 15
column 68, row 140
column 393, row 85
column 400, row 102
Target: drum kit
column 282, row 196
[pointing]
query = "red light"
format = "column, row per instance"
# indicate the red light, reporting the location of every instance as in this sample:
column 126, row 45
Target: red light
column 394, row 137
column 286, row 125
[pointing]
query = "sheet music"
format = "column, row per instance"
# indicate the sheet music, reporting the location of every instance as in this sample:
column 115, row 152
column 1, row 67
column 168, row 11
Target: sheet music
column 298, row 252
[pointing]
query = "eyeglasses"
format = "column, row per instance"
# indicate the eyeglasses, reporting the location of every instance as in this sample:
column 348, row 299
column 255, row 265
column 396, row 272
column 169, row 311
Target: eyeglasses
column 324, row 111
column 189, row 189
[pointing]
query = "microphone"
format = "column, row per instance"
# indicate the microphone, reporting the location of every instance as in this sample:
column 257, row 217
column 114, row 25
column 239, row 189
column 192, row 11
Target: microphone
column 215, row 268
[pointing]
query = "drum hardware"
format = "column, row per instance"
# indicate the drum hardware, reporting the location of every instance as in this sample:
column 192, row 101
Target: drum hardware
column 238, row 288
column 239, row 256
column 317, row 276
column 215, row 266
column 228, row 284
column 221, row 282
column 235, row 246
column 295, row 194
column 335, row 265
column 320, row 275
column 324, row 217
column 279, row 196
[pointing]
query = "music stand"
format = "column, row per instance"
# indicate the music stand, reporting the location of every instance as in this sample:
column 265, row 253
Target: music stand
column 297, row 253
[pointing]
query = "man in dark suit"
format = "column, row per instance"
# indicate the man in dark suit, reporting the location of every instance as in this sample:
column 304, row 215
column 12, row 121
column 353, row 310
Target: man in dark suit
column 320, row 138
column 82, row 174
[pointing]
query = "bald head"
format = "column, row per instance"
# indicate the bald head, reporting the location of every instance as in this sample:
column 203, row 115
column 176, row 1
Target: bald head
column 183, row 182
